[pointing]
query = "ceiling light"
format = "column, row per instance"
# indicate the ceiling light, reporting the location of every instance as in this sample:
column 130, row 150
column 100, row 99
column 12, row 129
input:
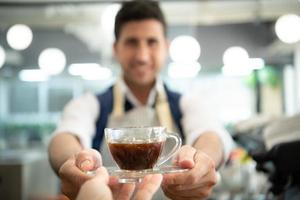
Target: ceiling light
column 2, row 56
column 32, row 75
column 228, row 70
column 185, row 49
column 19, row 36
column 183, row 70
column 243, row 69
column 90, row 71
column 78, row 69
column 256, row 63
column 52, row 61
column 287, row 28
column 235, row 56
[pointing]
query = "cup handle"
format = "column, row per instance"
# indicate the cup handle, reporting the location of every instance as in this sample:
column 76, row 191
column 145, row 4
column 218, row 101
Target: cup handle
column 176, row 147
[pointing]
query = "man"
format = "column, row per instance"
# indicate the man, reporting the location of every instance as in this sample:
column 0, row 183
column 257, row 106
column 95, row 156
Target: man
column 140, row 98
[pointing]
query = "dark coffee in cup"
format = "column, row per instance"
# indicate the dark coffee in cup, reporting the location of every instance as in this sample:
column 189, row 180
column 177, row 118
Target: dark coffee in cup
column 136, row 156
column 137, row 149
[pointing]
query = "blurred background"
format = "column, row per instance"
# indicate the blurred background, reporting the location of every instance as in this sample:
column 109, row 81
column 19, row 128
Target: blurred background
column 244, row 55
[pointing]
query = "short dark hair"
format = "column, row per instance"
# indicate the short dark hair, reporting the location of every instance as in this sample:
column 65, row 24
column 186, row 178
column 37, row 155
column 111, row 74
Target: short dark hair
column 138, row 10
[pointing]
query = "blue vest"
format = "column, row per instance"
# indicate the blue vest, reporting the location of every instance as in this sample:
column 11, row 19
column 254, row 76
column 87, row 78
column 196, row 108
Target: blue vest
column 106, row 106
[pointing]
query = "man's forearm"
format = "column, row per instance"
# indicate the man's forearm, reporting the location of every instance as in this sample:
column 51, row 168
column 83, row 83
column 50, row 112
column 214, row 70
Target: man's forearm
column 211, row 144
column 61, row 148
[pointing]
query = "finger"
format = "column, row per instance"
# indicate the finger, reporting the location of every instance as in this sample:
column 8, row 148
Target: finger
column 71, row 178
column 88, row 159
column 114, row 185
column 69, row 172
column 203, row 166
column 120, row 191
column 148, row 187
column 97, row 187
column 188, row 177
column 94, row 189
column 102, row 174
column 208, row 180
column 113, row 180
column 199, row 193
column 185, row 157
column 125, row 192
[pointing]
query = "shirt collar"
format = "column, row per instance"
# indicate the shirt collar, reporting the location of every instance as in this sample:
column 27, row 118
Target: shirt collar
column 132, row 99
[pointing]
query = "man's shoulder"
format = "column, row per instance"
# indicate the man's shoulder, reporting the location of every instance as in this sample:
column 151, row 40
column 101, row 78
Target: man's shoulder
column 172, row 93
column 105, row 98
column 85, row 97
column 84, row 103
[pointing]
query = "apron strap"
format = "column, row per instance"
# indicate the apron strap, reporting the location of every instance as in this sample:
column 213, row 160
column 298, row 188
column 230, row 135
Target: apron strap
column 163, row 109
column 118, row 108
column 174, row 100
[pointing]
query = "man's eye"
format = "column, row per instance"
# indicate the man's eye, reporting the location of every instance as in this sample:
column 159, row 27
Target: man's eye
column 131, row 42
column 152, row 42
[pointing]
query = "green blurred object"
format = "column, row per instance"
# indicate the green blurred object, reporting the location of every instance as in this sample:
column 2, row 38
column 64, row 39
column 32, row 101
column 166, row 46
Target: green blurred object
column 22, row 135
column 266, row 76
column 15, row 128
column 250, row 80
column 269, row 76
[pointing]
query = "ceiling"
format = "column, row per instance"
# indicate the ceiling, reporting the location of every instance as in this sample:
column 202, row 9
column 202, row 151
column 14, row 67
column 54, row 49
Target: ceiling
column 205, row 12
column 81, row 19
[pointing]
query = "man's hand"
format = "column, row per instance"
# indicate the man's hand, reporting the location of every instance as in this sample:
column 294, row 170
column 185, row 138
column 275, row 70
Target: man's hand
column 73, row 172
column 198, row 182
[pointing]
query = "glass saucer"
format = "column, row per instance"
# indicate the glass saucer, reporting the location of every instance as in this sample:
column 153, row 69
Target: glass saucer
column 134, row 176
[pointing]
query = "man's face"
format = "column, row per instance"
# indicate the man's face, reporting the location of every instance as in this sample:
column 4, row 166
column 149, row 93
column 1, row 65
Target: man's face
column 141, row 50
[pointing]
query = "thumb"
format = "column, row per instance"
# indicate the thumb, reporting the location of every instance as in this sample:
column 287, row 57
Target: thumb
column 88, row 160
column 102, row 175
column 185, row 157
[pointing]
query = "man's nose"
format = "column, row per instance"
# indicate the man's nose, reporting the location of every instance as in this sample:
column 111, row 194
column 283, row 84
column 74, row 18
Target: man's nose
column 143, row 53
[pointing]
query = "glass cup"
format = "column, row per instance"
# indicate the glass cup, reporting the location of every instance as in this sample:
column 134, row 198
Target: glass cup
column 138, row 150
